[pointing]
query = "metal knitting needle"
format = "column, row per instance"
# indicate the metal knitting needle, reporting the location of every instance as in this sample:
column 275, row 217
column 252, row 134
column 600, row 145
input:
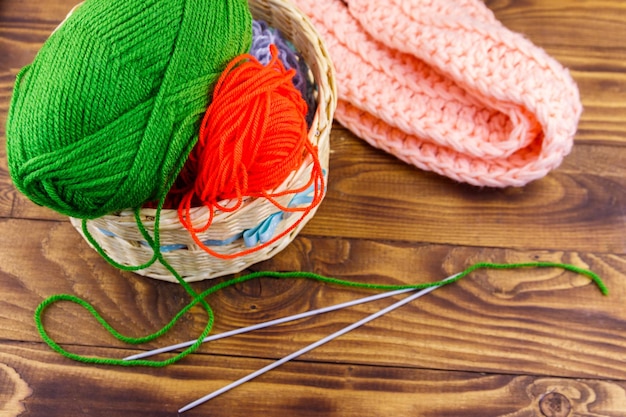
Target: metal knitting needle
column 269, row 323
column 310, row 347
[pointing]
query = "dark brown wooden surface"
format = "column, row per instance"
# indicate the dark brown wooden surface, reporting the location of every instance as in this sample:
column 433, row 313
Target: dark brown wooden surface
column 516, row 344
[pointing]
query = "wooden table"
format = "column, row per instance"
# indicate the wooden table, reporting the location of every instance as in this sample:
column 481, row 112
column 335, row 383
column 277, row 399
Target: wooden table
column 519, row 343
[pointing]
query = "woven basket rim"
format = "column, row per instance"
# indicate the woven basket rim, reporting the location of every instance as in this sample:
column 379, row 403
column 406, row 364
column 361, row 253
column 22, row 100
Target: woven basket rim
column 117, row 233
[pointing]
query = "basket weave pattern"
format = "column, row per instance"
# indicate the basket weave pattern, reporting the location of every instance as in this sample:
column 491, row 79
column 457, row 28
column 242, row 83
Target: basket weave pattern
column 119, row 236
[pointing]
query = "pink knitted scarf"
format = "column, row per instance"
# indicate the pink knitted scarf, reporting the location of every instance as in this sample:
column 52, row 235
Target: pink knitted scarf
column 443, row 85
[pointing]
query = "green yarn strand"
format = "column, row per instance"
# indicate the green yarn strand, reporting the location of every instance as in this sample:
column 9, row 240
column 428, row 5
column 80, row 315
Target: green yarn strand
column 106, row 115
column 595, row 278
column 130, row 340
column 201, row 298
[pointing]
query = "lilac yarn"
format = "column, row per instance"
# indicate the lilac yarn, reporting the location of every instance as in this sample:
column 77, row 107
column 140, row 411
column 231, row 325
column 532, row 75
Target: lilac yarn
column 262, row 37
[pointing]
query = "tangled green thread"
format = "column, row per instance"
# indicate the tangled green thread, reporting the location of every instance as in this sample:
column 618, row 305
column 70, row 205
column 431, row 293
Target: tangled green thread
column 200, row 299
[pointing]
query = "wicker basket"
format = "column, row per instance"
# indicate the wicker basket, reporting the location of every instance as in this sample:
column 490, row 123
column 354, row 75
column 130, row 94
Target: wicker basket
column 119, row 237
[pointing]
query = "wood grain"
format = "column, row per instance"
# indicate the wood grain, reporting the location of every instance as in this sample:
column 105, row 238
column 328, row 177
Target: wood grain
column 521, row 322
column 371, row 197
column 529, row 343
column 14, row 391
column 297, row 389
column 397, row 202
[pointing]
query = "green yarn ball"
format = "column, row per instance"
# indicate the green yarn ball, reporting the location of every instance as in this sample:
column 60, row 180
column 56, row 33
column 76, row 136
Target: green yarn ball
column 106, row 115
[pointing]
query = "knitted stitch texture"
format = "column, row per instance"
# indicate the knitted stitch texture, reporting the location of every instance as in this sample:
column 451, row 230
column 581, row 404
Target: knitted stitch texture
column 106, row 115
column 443, row 85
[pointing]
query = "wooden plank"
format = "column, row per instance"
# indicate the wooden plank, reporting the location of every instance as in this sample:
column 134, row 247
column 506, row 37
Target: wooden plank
column 566, row 24
column 27, row 13
column 7, row 190
column 578, row 207
column 603, row 98
column 47, row 386
column 597, row 59
column 373, row 195
column 531, row 321
column 518, row 343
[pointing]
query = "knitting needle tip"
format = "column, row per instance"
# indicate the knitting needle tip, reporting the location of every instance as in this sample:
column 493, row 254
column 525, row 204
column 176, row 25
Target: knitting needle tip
column 312, row 346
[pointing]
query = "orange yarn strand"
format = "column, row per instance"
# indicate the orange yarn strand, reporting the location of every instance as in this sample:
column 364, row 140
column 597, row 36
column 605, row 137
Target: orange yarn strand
column 252, row 136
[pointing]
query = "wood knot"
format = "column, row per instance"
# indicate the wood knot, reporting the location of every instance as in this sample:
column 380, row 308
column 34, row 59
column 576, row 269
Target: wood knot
column 555, row 405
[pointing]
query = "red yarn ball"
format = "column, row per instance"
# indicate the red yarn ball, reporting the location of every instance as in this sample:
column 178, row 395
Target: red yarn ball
column 253, row 135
